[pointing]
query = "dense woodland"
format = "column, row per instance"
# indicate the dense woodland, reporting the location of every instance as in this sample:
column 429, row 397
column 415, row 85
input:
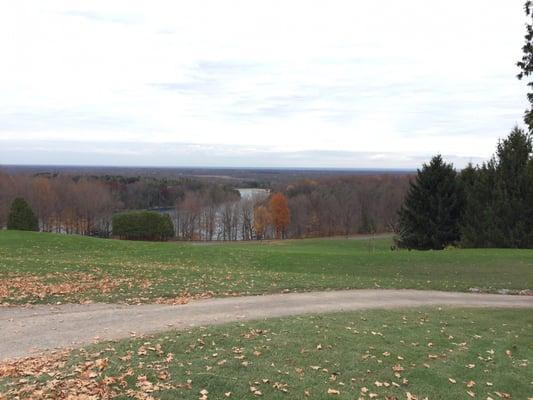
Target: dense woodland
column 210, row 209
column 346, row 205
column 85, row 204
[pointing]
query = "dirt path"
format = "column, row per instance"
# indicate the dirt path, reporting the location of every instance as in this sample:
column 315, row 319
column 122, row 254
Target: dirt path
column 24, row 331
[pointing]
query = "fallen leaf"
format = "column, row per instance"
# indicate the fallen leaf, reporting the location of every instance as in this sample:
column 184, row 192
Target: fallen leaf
column 397, row 368
column 255, row 391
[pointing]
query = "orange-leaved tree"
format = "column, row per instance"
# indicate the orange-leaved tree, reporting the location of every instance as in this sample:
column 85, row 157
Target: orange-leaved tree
column 281, row 215
column 262, row 220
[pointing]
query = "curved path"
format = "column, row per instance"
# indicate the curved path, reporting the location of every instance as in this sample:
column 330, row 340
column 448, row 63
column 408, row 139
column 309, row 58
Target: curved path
column 27, row 330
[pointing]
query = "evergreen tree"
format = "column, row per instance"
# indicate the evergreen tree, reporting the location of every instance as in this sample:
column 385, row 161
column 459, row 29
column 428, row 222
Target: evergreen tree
column 526, row 63
column 430, row 215
column 478, row 227
column 21, row 216
column 499, row 196
column 513, row 189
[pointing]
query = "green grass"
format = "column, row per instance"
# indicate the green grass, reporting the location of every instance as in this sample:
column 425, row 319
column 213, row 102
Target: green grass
column 113, row 271
column 436, row 353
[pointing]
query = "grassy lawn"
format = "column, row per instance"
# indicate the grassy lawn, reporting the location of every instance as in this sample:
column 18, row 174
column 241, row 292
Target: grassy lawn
column 41, row 267
column 438, row 353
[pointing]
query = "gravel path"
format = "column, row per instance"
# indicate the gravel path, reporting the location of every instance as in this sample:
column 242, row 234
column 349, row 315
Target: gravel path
column 28, row 330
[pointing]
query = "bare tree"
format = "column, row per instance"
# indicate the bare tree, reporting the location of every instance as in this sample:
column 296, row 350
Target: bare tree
column 189, row 211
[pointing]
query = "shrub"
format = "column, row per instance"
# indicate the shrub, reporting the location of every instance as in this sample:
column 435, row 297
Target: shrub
column 142, row 225
column 21, row 216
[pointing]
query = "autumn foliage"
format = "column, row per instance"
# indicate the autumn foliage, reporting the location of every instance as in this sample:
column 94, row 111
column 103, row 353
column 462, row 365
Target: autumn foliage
column 262, row 220
column 280, row 214
column 204, row 210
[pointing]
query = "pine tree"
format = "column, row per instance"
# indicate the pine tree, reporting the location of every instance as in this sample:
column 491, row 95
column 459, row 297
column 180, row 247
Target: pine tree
column 431, row 213
column 21, row 216
column 499, row 196
column 526, row 63
column 513, row 189
column 479, row 227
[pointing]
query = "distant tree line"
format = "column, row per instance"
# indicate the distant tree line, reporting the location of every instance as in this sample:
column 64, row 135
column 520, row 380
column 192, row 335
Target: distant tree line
column 204, row 210
column 208, row 214
column 85, row 204
column 346, row 205
column 329, row 206
column 61, row 204
column 488, row 205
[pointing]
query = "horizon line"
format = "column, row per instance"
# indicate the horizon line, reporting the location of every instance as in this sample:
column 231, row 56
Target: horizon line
column 212, row 167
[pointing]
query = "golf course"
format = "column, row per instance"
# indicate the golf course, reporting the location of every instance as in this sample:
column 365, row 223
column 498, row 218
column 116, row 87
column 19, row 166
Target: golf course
column 412, row 349
column 51, row 268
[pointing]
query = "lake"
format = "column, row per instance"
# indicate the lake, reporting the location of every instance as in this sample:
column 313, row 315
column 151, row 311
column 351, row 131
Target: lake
column 248, row 193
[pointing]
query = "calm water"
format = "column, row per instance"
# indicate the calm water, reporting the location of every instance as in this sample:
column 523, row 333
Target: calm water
column 249, row 193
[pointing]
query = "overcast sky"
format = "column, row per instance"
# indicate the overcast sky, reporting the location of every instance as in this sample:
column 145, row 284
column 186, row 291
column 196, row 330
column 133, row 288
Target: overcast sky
column 258, row 83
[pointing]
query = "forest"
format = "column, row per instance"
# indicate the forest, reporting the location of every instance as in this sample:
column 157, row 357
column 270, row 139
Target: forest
column 312, row 205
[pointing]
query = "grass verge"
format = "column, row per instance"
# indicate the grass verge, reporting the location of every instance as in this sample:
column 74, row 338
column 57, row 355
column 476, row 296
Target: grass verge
column 415, row 354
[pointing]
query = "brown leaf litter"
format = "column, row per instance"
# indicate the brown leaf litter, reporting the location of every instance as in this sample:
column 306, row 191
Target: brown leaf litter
column 16, row 289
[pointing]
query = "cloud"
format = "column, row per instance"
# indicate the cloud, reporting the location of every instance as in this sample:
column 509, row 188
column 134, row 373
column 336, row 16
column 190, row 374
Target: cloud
column 198, row 155
column 103, row 17
column 224, row 68
column 65, row 120
column 293, row 77
column 185, row 87
column 209, row 77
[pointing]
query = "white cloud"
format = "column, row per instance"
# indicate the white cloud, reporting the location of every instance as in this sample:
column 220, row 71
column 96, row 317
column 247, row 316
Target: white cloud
column 393, row 78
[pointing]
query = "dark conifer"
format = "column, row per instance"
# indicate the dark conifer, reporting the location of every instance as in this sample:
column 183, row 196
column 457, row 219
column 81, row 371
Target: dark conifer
column 526, row 63
column 499, row 196
column 478, row 227
column 21, row 216
column 430, row 216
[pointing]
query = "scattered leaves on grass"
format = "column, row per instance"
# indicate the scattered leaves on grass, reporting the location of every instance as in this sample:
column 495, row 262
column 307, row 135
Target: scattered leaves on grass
column 142, row 368
column 25, row 288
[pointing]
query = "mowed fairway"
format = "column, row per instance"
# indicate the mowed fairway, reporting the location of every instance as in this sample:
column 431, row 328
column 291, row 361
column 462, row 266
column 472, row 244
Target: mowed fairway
column 45, row 268
column 433, row 352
